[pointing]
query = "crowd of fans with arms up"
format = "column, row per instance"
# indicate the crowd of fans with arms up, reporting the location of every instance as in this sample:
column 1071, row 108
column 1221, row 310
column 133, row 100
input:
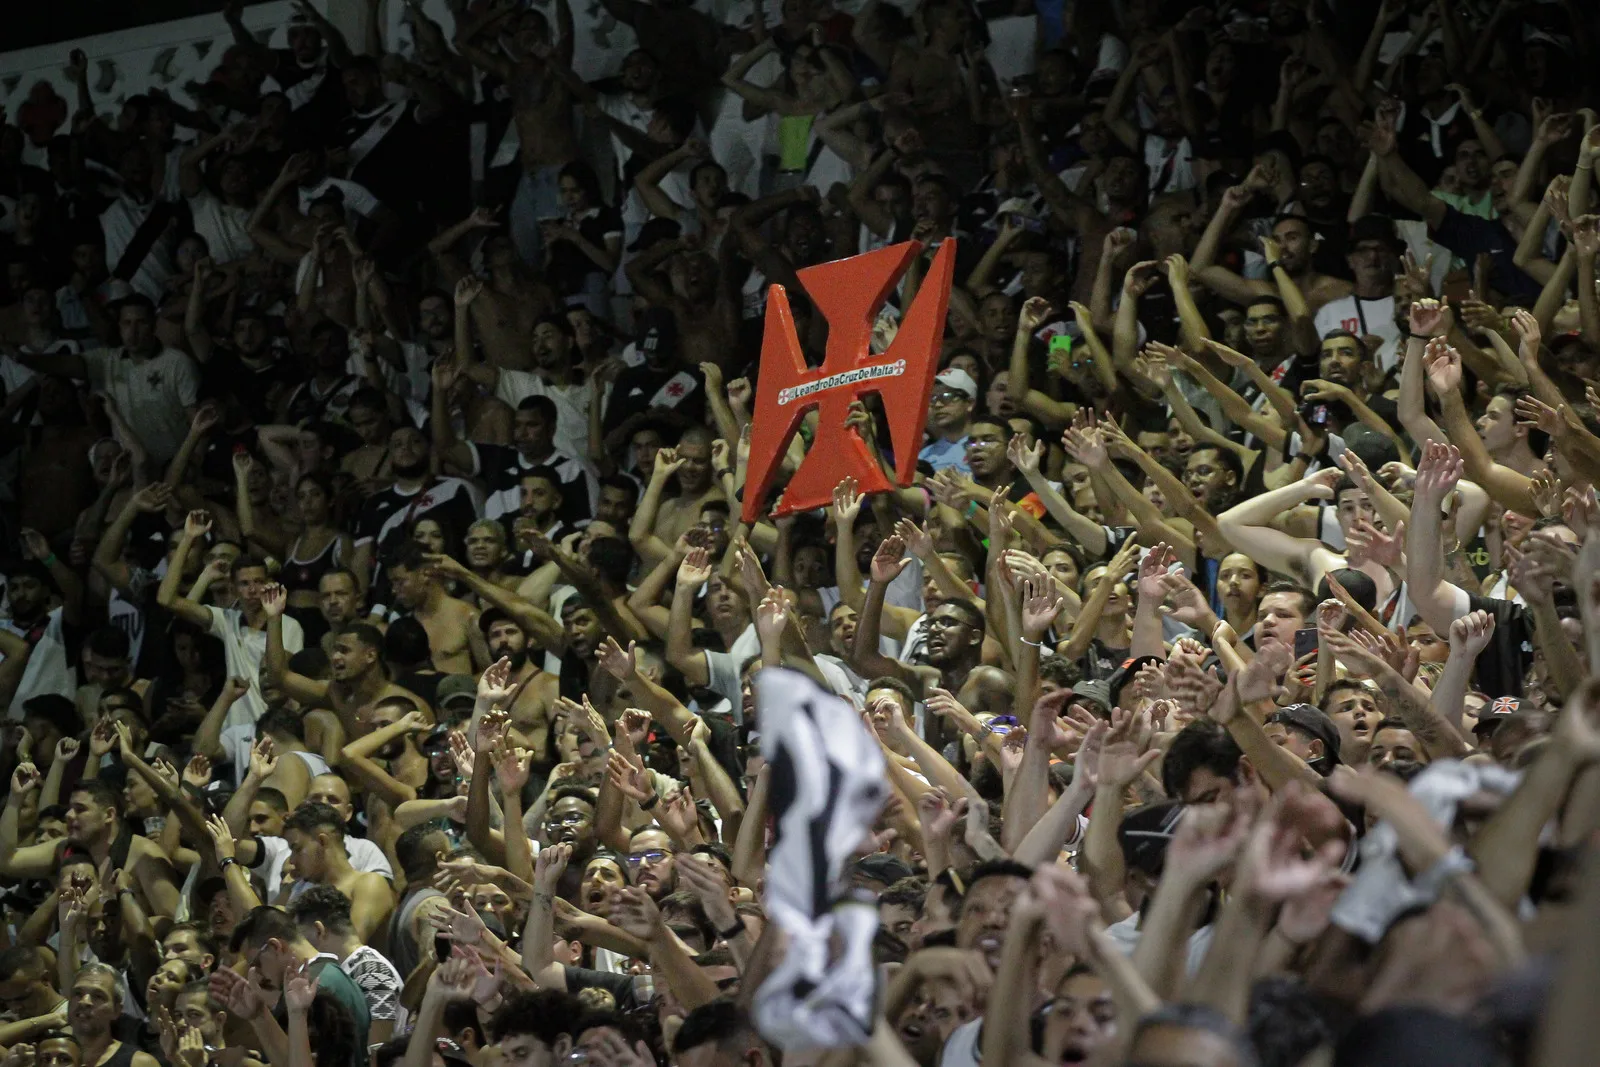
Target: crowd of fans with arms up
column 380, row 624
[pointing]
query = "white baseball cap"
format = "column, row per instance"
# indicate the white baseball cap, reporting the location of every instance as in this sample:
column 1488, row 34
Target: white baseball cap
column 958, row 379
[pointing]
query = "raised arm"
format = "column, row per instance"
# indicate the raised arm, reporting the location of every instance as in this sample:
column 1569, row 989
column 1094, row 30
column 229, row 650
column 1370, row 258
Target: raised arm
column 196, row 525
column 1246, row 525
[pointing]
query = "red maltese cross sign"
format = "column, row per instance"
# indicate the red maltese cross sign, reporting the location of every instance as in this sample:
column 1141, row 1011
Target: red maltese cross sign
column 847, row 293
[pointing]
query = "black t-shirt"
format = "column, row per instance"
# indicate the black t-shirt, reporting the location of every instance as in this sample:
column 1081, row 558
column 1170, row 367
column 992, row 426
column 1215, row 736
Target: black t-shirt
column 386, row 516
column 399, row 161
column 675, row 387
column 1504, row 662
column 569, row 268
column 225, row 375
column 501, row 467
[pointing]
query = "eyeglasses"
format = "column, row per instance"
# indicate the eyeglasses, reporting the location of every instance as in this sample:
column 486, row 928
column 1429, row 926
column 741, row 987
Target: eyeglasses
column 948, row 397
column 571, row 818
column 654, row 855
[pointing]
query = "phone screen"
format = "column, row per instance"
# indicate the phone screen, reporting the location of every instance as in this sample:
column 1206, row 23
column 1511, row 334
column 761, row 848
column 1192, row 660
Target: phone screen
column 1305, row 642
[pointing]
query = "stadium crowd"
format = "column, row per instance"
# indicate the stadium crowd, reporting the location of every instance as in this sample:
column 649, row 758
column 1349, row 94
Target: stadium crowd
column 381, row 628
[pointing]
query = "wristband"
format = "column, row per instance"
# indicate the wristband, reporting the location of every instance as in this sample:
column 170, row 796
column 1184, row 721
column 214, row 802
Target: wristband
column 1423, row 337
column 226, row 862
column 655, row 798
column 733, row 931
column 50, row 560
column 1035, row 644
column 972, row 508
column 1275, row 264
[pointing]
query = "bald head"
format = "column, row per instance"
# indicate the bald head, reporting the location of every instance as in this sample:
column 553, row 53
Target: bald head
column 333, row 791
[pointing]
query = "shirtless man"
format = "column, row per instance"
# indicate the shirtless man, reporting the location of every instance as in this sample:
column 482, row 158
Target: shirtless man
column 356, row 662
column 537, row 626
column 94, row 824
column 659, row 523
column 534, row 690
column 489, row 555
column 699, row 294
column 505, row 310
column 315, row 833
column 538, row 73
column 452, row 624
column 1296, row 243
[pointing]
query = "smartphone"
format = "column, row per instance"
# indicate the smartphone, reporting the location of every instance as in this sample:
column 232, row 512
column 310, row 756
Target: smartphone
column 1305, row 642
column 1315, row 414
column 1061, row 343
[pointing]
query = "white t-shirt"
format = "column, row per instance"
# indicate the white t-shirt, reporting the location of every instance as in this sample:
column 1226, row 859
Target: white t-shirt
column 48, row 670
column 1362, row 317
column 722, row 670
column 154, row 396
column 244, row 648
column 224, row 227
column 572, row 405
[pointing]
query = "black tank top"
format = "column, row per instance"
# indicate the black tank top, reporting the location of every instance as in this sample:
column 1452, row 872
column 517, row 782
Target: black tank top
column 298, row 574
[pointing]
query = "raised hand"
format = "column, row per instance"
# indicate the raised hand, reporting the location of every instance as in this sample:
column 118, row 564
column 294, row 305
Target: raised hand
column 1470, row 634
column 621, row 665
column 1428, row 317
column 1035, row 310
column 495, row 686
column 1258, row 680
column 299, row 988
column 666, row 464
column 549, row 866
column 1443, row 364
column 1437, row 473
column 197, row 524
column 1040, row 606
column 274, row 600
column 1025, row 457
column 1153, row 571
column 634, row 911
column 26, row 778
column 468, row 289
column 1371, row 542
column 772, row 615
column 846, row 503
column 263, row 760
column 695, row 570
column 889, row 560
column 630, row 778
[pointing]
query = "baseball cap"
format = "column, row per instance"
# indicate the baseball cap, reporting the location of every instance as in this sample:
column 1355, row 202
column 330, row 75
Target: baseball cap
column 1094, row 691
column 1494, row 714
column 1311, row 720
column 959, row 380
column 456, row 689
column 1145, row 833
column 882, row 867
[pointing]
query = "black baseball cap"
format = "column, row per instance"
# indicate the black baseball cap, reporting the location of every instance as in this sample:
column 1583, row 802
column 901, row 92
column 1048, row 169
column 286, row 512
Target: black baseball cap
column 1315, row 724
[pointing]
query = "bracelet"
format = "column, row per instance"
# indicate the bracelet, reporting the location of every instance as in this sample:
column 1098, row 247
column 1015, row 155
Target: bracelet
column 655, row 798
column 733, row 931
column 1035, row 644
column 1423, row 337
column 226, row 862
column 50, row 560
column 972, row 508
